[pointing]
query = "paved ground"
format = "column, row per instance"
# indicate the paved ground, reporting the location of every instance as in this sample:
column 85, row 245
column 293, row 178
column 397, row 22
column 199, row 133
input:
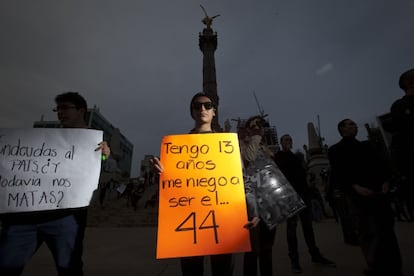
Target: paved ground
column 127, row 251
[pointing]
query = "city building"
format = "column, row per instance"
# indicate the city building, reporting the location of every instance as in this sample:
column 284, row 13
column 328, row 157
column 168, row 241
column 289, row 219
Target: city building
column 317, row 165
column 121, row 147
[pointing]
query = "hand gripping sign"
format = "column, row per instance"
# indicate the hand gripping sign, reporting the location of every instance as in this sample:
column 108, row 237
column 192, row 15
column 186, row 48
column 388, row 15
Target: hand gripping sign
column 202, row 205
column 48, row 169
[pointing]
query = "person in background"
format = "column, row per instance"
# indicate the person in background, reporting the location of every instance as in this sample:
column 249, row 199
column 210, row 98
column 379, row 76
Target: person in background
column 292, row 168
column 358, row 171
column 401, row 126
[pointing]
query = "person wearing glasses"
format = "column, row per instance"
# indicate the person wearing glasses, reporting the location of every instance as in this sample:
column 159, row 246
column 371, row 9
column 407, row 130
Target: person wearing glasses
column 254, row 148
column 361, row 174
column 203, row 110
column 62, row 230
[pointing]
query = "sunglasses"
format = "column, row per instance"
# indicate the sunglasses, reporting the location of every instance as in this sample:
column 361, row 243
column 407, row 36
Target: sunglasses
column 197, row 105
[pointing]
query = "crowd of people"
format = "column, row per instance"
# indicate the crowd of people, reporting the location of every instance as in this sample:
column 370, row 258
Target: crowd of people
column 359, row 179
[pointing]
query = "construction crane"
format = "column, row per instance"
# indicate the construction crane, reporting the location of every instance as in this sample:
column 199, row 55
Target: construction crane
column 261, row 111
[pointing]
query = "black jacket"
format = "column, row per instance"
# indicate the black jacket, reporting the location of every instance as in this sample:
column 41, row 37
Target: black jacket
column 292, row 168
column 355, row 162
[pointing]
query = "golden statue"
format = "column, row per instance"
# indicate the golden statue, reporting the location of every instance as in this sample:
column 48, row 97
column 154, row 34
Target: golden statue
column 208, row 21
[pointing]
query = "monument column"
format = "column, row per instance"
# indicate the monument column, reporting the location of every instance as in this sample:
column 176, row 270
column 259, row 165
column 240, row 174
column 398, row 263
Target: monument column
column 208, row 45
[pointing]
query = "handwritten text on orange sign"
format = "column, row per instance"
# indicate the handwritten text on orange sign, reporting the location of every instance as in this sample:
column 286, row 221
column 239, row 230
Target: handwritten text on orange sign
column 202, row 206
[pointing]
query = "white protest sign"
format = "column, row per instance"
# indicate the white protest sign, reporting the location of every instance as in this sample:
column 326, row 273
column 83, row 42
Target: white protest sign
column 46, row 169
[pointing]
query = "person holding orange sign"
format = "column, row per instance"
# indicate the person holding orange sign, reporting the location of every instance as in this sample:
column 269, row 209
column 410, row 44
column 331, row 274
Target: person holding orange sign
column 203, row 108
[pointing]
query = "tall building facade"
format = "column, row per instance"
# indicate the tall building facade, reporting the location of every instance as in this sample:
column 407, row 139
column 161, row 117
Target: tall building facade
column 121, row 147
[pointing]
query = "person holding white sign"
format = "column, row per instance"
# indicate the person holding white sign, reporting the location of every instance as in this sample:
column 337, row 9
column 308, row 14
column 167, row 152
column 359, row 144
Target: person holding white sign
column 203, row 109
column 62, row 229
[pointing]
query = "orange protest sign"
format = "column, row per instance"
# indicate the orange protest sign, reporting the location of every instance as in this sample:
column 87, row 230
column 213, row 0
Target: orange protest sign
column 202, row 205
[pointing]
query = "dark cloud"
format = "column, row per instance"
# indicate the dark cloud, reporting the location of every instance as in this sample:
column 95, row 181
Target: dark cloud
column 139, row 61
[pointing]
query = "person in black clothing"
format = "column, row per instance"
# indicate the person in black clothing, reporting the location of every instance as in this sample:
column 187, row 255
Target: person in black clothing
column 401, row 126
column 203, row 110
column 337, row 201
column 291, row 167
column 363, row 178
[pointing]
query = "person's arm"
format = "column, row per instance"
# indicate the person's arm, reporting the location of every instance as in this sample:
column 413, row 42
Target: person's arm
column 363, row 191
column 157, row 166
column 252, row 208
column 248, row 151
column 339, row 173
column 106, row 151
column 108, row 165
column 252, row 223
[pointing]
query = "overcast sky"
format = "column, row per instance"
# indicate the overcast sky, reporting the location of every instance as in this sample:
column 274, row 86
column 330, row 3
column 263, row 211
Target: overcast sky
column 139, row 62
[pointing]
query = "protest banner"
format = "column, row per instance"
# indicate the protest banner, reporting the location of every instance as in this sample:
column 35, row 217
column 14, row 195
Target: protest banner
column 202, row 205
column 47, row 169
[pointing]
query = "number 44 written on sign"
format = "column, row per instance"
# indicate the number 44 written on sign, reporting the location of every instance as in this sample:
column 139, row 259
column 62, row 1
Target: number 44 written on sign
column 190, row 224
